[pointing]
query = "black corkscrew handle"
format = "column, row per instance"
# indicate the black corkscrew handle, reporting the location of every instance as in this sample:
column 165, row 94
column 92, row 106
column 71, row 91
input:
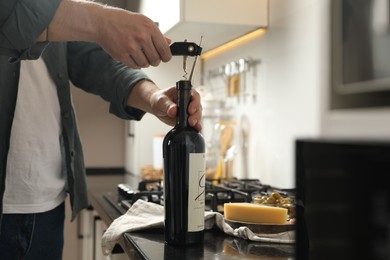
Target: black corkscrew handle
column 185, row 49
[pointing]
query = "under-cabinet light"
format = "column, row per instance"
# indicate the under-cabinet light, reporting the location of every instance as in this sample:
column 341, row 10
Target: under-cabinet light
column 233, row 43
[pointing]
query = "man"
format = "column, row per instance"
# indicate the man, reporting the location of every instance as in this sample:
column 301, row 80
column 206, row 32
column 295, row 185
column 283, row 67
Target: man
column 44, row 45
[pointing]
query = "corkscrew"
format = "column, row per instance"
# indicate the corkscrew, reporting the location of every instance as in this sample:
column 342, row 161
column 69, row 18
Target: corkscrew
column 186, row 49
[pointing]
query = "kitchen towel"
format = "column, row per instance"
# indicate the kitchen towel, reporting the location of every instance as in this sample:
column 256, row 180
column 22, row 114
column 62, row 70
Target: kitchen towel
column 145, row 215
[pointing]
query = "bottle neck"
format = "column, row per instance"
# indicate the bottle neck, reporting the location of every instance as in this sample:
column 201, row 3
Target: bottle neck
column 183, row 88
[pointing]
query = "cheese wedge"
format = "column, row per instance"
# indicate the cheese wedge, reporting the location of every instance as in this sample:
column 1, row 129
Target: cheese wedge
column 255, row 213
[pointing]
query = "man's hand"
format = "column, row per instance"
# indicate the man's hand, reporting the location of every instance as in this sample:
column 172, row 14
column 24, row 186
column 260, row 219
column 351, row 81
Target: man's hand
column 133, row 39
column 162, row 103
column 164, row 106
column 129, row 37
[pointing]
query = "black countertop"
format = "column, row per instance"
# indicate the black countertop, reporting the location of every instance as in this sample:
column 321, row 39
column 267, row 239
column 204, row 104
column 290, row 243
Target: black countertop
column 149, row 244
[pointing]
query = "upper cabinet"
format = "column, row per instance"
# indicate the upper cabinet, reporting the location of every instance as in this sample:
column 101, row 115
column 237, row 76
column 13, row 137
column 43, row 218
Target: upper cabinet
column 218, row 21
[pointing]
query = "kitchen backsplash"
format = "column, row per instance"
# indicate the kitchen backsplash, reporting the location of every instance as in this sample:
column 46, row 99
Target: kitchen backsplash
column 291, row 83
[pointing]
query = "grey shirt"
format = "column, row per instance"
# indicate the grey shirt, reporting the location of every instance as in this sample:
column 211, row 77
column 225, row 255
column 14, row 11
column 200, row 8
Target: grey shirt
column 86, row 65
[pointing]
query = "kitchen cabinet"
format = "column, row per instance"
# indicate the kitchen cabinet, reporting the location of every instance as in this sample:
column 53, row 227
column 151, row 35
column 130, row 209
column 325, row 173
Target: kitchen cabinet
column 218, row 21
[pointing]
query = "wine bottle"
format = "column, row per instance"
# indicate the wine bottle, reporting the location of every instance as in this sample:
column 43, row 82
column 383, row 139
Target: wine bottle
column 184, row 176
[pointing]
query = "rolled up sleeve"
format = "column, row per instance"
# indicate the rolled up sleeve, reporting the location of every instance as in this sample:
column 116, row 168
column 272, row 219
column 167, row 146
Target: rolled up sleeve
column 93, row 70
column 21, row 23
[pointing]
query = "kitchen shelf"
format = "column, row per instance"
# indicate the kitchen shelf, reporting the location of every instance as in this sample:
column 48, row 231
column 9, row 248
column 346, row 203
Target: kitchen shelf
column 218, row 21
column 234, row 80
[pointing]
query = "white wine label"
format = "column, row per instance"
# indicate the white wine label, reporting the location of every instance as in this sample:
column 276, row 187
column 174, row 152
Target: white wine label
column 196, row 193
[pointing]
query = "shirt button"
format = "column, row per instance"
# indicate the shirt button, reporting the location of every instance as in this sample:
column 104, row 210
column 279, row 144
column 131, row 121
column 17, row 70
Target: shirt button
column 72, row 153
column 60, row 75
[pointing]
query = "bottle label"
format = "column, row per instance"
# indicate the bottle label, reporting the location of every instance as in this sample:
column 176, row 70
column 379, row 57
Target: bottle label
column 196, row 198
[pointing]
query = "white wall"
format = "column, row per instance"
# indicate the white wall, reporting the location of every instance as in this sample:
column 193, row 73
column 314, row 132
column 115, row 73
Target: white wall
column 291, row 83
column 292, row 88
column 101, row 132
column 288, row 84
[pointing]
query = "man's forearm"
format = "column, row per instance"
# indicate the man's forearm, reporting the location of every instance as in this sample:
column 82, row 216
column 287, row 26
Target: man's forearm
column 75, row 20
column 128, row 37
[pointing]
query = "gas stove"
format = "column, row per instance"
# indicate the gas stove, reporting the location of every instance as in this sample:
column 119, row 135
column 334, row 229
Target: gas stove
column 150, row 244
column 218, row 192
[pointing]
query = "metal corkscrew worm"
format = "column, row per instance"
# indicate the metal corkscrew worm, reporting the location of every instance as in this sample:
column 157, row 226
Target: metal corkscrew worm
column 186, row 49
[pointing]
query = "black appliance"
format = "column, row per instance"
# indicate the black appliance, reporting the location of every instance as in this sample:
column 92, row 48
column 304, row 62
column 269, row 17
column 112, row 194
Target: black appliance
column 360, row 57
column 343, row 199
